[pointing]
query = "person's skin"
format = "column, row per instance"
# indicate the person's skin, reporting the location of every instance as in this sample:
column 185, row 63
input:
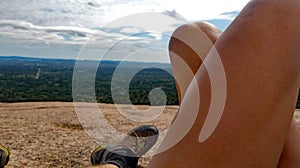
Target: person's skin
column 290, row 156
column 261, row 62
column 188, row 58
column 178, row 48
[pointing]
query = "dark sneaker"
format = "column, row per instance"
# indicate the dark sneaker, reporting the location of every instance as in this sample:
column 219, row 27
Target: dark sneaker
column 4, row 156
column 125, row 155
column 118, row 155
column 141, row 139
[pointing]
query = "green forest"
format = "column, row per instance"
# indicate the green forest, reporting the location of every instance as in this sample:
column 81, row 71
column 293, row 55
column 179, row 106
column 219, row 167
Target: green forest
column 24, row 79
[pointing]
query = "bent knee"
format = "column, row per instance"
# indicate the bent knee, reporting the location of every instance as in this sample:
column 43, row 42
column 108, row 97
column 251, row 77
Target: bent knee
column 210, row 30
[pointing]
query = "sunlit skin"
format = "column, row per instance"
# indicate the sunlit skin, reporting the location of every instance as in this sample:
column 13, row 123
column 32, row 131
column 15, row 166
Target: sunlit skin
column 260, row 57
column 291, row 151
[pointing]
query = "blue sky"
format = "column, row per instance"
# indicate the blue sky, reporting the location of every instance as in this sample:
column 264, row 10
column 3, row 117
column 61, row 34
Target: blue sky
column 103, row 29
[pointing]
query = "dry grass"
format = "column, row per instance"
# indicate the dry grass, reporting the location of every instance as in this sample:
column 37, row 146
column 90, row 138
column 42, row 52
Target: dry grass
column 50, row 134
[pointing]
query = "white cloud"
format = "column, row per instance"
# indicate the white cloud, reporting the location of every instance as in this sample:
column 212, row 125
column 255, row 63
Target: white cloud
column 119, row 38
column 52, row 13
column 95, row 13
column 141, row 32
column 204, row 9
column 90, row 14
column 60, row 28
column 56, row 34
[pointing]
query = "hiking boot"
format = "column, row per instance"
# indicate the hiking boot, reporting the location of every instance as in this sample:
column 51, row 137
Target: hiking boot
column 121, row 156
column 4, row 156
column 126, row 154
column 141, row 139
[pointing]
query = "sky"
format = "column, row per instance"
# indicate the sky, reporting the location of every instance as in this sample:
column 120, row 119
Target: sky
column 131, row 30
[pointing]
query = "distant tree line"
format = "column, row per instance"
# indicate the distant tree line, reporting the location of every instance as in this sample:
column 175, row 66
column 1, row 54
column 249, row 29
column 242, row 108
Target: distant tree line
column 30, row 80
column 33, row 79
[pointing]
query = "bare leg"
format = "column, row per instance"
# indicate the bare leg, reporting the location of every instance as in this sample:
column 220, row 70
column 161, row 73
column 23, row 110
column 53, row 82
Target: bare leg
column 185, row 60
column 178, row 48
column 290, row 156
column 253, row 129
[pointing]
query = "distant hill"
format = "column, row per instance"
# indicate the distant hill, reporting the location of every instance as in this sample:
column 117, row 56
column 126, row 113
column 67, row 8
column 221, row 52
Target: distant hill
column 24, row 79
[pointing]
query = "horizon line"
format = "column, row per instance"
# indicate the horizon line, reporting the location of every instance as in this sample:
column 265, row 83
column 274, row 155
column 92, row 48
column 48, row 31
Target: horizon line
column 72, row 59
